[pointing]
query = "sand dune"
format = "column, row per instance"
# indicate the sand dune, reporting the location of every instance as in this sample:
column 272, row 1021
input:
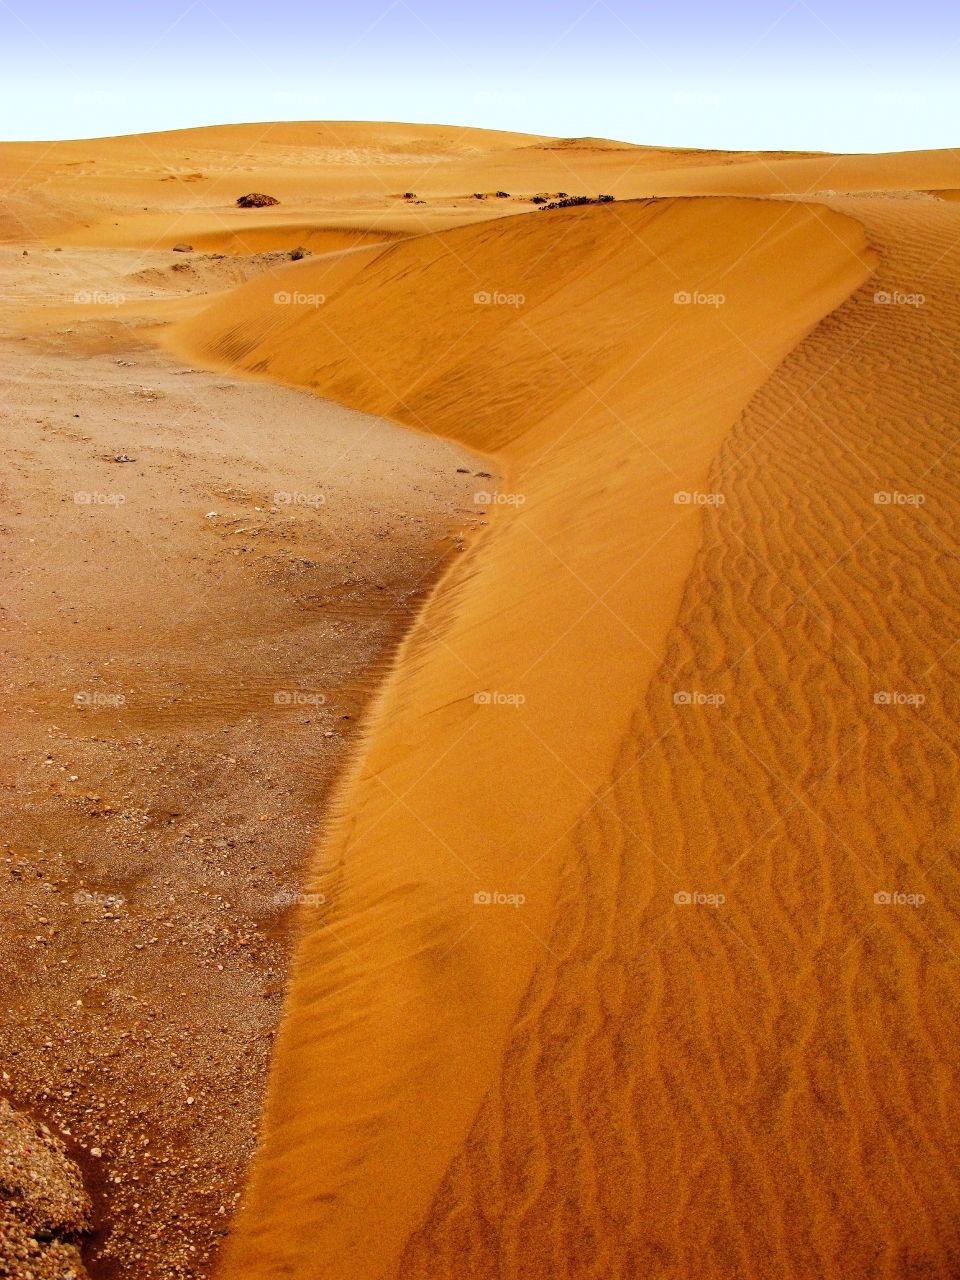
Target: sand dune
column 153, row 190
column 600, row 398
column 679, row 712
column 790, row 1053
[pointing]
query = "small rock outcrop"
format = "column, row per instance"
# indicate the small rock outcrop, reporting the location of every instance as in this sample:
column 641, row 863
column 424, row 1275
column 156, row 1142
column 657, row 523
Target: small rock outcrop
column 44, row 1207
column 256, row 200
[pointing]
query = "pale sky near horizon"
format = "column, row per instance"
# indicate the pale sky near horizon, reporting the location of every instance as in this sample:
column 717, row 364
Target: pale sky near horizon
column 834, row 75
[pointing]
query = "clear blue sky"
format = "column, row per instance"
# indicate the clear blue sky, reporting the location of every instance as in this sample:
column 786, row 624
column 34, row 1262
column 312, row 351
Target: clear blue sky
column 819, row 74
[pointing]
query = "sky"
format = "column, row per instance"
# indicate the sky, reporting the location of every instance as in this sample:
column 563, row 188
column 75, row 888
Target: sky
column 832, row 75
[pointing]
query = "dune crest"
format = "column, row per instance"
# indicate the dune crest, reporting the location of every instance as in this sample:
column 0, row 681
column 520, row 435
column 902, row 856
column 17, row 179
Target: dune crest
column 600, row 398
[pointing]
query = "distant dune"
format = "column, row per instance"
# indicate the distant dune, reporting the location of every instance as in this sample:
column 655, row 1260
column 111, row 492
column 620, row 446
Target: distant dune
column 639, row 953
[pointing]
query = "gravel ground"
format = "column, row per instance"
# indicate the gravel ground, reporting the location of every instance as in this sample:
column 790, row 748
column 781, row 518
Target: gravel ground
column 44, row 1207
column 188, row 647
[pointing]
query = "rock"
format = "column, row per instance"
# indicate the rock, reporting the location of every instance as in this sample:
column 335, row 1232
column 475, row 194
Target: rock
column 256, row 200
column 44, row 1207
column 183, row 248
column 568, row 202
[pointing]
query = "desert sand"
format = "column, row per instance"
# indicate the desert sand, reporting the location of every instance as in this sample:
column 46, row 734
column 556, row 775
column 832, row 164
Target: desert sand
column 628, row 941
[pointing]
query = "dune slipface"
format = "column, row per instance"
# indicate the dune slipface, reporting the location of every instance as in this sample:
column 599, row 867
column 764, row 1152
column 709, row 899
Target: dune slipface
column 503, row 1054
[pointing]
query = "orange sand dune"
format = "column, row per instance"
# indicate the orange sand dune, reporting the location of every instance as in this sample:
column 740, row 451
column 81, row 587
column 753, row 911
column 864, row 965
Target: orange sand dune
column 149, row 191
column 459, row 1088
column 776, row 175
column 761, row 1087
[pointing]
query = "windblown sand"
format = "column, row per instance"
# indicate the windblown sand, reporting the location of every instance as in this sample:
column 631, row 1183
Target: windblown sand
column 637, row 953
